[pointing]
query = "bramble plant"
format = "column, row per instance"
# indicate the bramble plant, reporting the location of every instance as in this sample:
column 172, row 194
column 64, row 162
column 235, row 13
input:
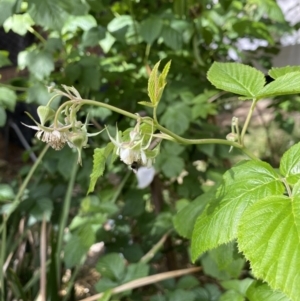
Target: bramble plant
column 256, row 206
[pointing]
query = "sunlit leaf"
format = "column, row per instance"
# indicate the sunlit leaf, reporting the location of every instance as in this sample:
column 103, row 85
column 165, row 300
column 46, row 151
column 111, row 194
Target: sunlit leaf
column 268, row 235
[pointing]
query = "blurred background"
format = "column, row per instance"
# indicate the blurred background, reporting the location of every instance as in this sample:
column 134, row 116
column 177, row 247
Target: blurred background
column 105, row 49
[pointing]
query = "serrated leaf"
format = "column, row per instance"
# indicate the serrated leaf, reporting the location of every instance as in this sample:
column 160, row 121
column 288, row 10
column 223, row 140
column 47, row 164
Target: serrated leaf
column 262, row 292
column 236, row 78
column 268, row 235
column 111, row 266
column 146, row 103
column 243, row 185
column 153, row 83
column 163, row 76
column 283, row 85
column 98, row 167
column 150, row 29
column 290, row 164
column 185, row 219
column 231, row 295
column 276, row 72
column 240, row 286
column 172, row 38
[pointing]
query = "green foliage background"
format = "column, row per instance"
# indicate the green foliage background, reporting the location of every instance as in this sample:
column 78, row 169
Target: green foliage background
column 105, row 49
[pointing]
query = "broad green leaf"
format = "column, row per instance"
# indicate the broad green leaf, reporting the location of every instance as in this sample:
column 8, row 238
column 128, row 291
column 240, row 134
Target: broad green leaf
column 99, row 159
column 111, row 266
column 240, row 286
column 244, row 184
column 268, row 235
column 4, row 60
column 255, row 29
column 259, row 291
column 93, row 36
column 18, row 23
column 42, row 208
column 290, row 164
column 180, row 295
column 236, row 78
column 231, row 295
column 74, row 251
column 185, row 219
column 6, row 9
column 223, row 262
column 187, row 282
column 105, row 284
column 283, row 85
column 2, row 116
column 136, row 271
column 150, row 29
column 276, row 72
column 8, row 98
column 172, row 38
column 73, row 23
column 47, row 13
column 40, row 63
column 119, row 23
column 6, row 193
column 177, row 118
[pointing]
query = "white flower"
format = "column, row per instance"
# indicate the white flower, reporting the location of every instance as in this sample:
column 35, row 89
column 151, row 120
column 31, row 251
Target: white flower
column 135, row 150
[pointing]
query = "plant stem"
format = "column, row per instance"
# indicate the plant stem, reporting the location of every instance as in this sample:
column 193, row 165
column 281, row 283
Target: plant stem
column 64, row 216
column 17, row 200
column 22, row 89
column 246, row 124
column 43, row 259
column 158, row 126
column 37, row 34
column 147, row 257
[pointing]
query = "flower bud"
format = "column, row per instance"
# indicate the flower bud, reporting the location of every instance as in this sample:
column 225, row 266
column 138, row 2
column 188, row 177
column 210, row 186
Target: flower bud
column 45, row 113
column 232, row 137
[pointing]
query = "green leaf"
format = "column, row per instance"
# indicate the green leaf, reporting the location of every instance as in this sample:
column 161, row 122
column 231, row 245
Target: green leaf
column 276, row 72
column 262, row 292
column 136, row 271
column 47, row 13
column 240, row 286
column 153, row 84
column 236, row 78
column 185, row 219
column 231, row 295
column 150, row 29
column 93, row 36
column 290, row 164
column 74, row 251
column 244, row 184
column 42, row 208
column 74, row 23
column 106, row 296
column 6, row 193
column 8, row 98
column 268, row 235
column 6, row 9
column 146, row 103
column 105, row 284
column 172, row 38
column 99, row 159
column 223, row 262
column 180, row 295
column 111, row 266
column 4, row 61
column 18, row 24
column 40, row 63
column 2, row 117
column 283, row 85
column 177, row 118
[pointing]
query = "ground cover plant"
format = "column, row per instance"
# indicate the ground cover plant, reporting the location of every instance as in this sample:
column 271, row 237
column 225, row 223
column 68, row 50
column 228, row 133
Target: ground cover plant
column 125, row 85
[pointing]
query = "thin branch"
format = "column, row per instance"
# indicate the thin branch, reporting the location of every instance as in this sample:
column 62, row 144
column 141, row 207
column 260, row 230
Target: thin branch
column 146, row 281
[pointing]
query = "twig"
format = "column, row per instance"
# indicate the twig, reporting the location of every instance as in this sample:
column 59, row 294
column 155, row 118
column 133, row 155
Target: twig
column 145, row 281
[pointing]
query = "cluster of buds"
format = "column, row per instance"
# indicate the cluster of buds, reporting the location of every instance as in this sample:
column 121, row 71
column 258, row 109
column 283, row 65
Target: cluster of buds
column 137, row 149
column 57, row 135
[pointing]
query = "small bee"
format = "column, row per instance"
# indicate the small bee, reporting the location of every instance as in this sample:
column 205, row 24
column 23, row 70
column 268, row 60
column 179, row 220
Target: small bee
column 135, row 166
